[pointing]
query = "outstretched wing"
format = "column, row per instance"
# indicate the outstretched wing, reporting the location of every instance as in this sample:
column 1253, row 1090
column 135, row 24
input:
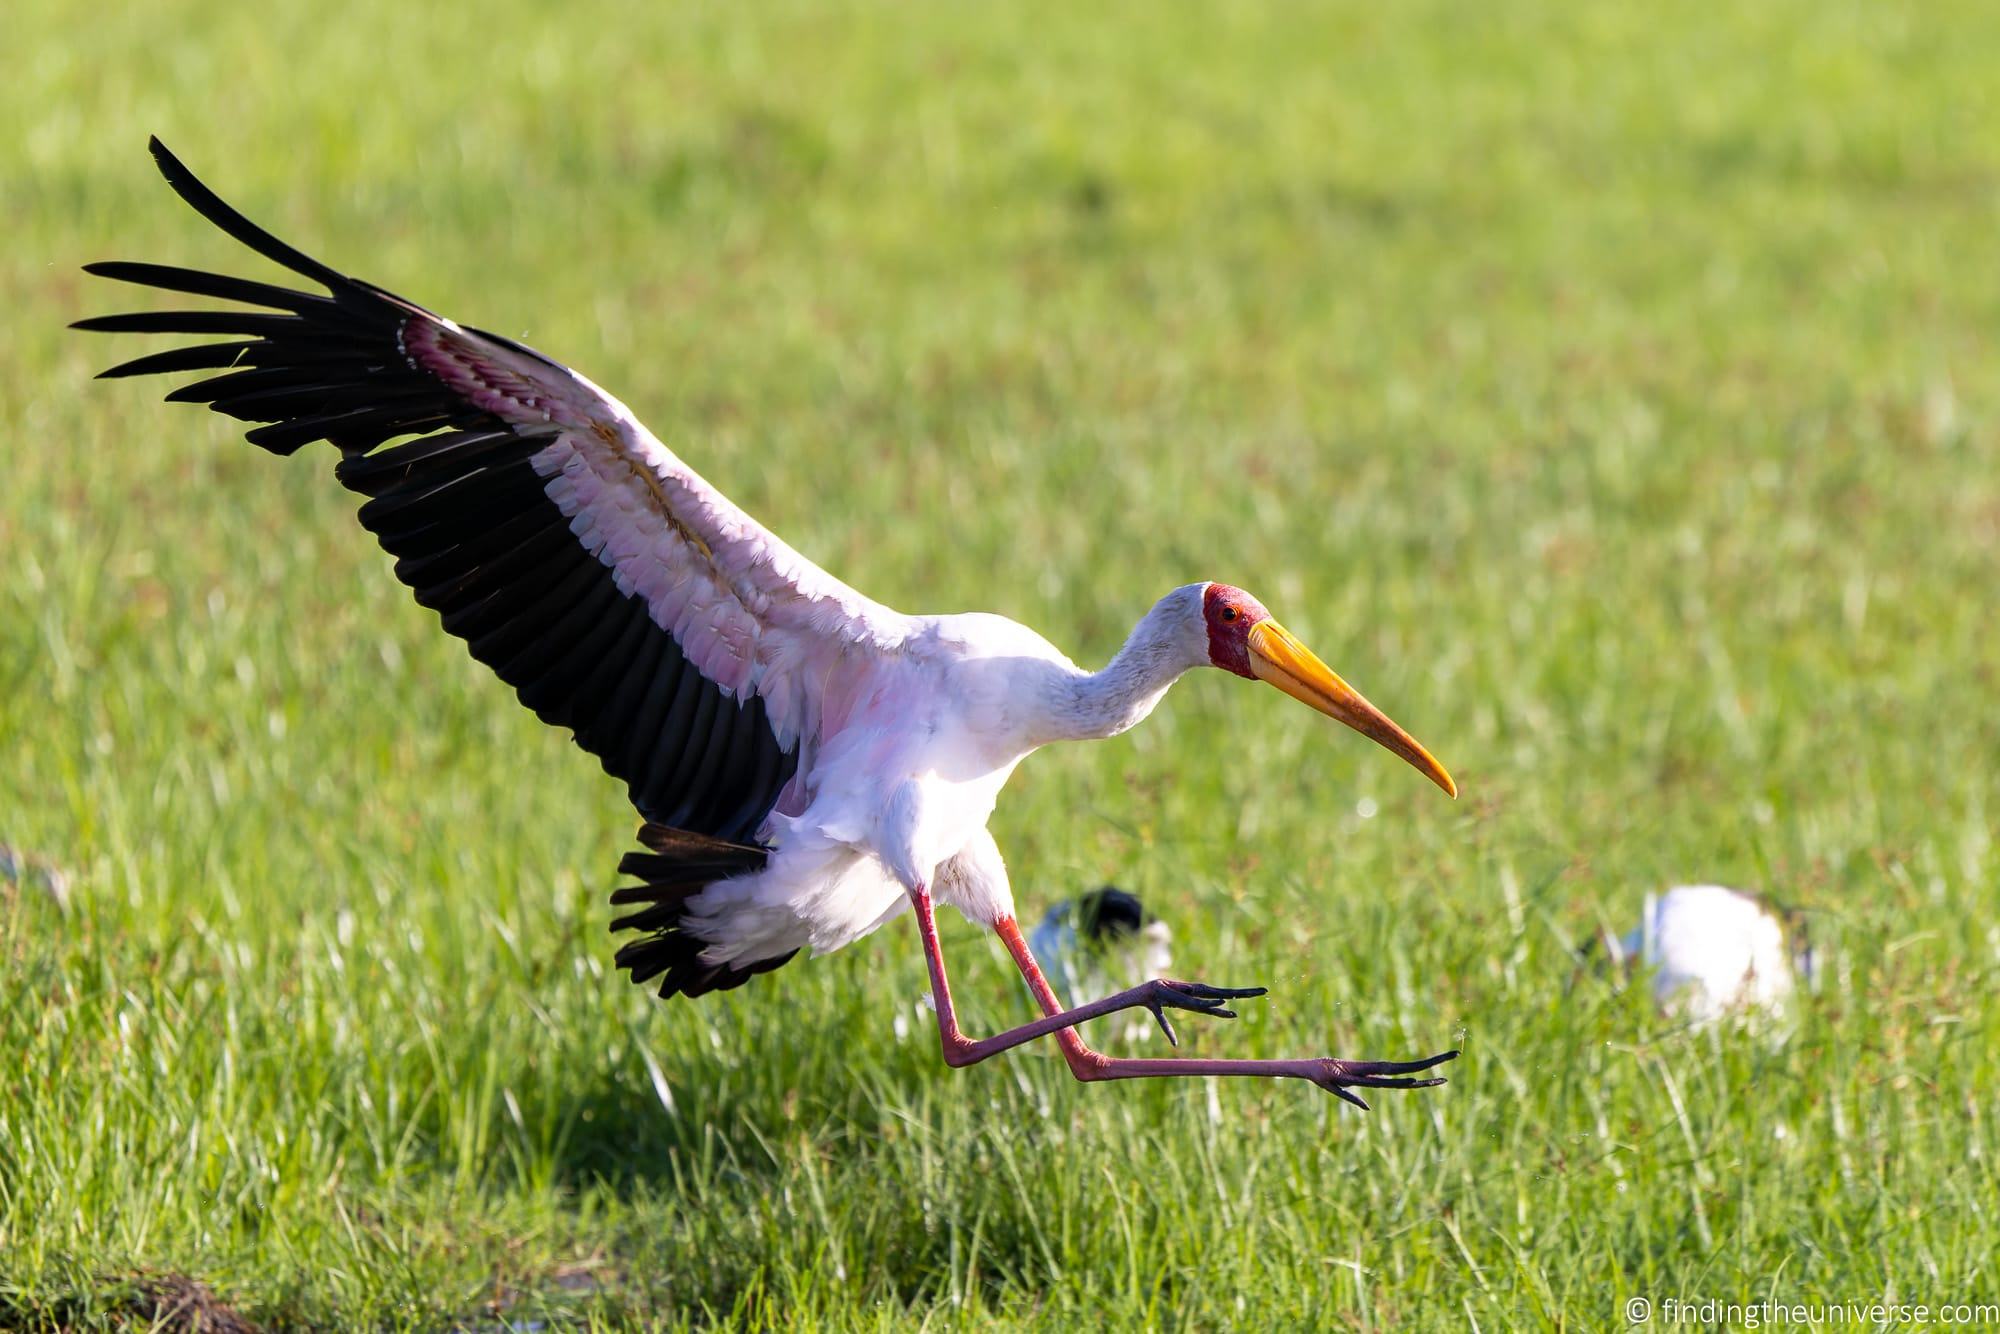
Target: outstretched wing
column 621, row 595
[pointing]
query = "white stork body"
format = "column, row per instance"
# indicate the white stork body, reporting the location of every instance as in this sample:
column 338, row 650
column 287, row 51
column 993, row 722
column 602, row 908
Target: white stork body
column 809, row 762
column 902, row 778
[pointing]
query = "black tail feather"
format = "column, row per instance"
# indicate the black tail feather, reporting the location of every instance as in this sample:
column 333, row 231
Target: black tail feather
column 680, row 865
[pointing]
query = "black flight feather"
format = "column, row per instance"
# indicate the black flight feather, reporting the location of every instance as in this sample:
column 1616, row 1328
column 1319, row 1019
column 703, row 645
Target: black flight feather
column 478, row 539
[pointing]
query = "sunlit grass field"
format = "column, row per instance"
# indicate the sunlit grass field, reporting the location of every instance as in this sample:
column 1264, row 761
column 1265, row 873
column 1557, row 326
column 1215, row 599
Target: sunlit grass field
column 1609, row 391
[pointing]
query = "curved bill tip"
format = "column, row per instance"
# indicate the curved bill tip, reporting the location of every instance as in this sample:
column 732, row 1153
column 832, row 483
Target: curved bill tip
column 1278, row 658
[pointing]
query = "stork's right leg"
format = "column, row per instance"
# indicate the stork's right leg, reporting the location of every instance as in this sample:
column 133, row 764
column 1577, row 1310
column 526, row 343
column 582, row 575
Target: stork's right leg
column 1335, row 1076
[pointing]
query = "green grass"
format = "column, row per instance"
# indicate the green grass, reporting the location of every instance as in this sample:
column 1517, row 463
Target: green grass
column 1610, row 391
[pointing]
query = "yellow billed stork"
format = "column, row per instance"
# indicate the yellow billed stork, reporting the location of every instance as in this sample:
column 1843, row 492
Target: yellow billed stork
column 808, row 763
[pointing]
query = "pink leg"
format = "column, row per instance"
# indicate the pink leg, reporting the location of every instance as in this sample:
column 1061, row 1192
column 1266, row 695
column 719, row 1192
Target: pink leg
column 1157, row 996
column 1334, row 1076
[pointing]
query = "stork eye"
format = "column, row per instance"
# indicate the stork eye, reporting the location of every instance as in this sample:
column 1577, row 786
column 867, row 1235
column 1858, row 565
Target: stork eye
column 1229, row 613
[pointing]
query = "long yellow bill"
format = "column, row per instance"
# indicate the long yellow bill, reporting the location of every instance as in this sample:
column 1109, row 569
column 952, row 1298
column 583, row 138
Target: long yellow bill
column 1277, row 656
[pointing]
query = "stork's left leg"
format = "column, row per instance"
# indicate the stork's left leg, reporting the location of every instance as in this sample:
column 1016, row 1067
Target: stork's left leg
column 1158, row 996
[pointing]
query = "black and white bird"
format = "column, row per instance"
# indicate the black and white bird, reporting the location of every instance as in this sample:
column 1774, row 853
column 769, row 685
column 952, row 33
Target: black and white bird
column 809, row 763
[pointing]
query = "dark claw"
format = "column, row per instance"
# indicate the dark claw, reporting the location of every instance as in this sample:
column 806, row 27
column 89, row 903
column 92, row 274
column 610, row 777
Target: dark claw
column 1343, row 1075
column 1195, row 997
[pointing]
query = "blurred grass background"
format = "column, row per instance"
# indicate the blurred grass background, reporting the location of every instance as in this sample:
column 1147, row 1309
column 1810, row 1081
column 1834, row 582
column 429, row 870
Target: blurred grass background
column 1608, row 390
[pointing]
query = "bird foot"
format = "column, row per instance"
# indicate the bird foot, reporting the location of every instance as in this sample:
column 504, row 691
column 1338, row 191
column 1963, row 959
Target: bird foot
column 1337, row 1077
column 1160, row 995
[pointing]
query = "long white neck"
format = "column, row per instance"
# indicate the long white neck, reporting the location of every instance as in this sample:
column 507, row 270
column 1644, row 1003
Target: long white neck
column 1168, row 641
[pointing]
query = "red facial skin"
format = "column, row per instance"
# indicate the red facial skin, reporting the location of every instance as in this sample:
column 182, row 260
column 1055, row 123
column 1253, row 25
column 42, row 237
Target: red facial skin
column 1230, row 612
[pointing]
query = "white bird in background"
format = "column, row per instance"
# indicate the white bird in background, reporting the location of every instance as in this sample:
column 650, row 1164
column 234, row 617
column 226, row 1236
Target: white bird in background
column 808, row 762
column 1714, row 952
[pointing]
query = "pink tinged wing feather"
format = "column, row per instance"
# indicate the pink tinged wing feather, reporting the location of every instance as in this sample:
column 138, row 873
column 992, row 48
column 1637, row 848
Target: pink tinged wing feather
column 749, row 612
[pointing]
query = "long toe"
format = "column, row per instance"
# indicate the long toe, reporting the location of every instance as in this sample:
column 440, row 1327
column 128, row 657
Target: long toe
column 1366, row 1069
column 1383, row 1082
column 1203, row 991
column 1192, row 996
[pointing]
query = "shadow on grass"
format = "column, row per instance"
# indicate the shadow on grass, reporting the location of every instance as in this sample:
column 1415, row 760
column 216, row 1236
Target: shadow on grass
column 690, row 1120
